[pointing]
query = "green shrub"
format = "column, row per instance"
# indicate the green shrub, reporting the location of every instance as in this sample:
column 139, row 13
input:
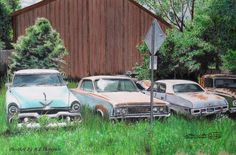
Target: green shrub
column 5, row 24
column 41, row 47
column 230, row 60
column 1, row 45
column 142, row 71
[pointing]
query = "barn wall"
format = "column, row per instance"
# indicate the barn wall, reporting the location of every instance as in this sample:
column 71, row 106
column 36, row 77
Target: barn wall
column 101, row 35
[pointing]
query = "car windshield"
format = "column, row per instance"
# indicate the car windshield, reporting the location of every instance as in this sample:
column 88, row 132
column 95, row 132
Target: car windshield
column 188, row 87
column 115, row 85
column 225, row 83
column 38, row 80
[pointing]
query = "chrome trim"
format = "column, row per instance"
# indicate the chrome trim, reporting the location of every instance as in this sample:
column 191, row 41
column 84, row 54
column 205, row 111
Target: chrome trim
column 36, row 115
column 205, row 113
column 139, row 116
column 50, row 125
column 232, row 110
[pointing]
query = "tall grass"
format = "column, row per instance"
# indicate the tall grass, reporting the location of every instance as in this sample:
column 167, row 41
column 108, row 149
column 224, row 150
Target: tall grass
column 97, row 136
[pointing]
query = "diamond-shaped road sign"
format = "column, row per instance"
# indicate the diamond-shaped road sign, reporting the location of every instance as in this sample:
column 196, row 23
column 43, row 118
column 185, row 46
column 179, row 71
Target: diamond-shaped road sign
column 159, row 37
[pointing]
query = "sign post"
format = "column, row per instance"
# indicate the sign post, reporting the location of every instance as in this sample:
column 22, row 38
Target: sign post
column 154, row 39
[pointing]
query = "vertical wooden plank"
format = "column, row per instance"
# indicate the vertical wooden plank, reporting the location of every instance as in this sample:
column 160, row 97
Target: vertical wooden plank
column 79, row 34
column 86, row 47
column 70, row 36
column 75, row 37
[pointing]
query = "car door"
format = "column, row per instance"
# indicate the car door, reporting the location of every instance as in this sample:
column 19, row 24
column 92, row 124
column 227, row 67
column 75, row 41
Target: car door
column 87, row 89
column 90, row 98
column 160, row 91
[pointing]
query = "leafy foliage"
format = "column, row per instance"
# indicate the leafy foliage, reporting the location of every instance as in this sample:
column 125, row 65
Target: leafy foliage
column 13, row 5
column 41, row 47
column 230, row 60
column 1, row 45
column 142, row 70
column 5, row 24
column 6, row 33
column 206, row 42
column 188, row 53
column 177, row 12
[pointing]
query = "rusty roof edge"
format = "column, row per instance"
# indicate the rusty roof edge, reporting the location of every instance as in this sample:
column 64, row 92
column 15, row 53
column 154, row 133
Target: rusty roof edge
column 28, row 8
column 151, row 13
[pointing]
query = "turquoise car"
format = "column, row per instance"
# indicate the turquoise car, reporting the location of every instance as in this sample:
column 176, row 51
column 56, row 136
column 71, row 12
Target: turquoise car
column 37, row 93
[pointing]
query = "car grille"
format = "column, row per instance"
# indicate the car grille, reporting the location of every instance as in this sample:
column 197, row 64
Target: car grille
column 140, row 109
column 44, row 112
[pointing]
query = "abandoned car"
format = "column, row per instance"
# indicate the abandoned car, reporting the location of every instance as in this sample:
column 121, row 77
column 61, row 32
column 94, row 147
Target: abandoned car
column 223, row 85
column 117, row 97
column 189, row 98
column 38, row 93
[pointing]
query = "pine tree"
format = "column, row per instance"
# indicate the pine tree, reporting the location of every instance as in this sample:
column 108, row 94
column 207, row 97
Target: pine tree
column 41, row 48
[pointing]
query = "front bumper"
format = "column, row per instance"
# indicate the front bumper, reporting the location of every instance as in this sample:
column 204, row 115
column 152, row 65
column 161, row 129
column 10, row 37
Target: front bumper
column 208, row 111
column 68, row 119
column 136, row 116
column 232, row 110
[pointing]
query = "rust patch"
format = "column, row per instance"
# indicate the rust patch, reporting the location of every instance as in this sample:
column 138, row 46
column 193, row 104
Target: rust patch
column 102, row 108
column 200, row 96
column 226, row 91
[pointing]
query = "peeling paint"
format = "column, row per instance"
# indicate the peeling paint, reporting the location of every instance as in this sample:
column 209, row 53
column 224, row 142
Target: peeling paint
column 200, row 96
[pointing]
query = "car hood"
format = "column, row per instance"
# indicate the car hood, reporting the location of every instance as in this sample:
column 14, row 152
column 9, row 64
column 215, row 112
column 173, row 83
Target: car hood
column 203, row 99
column 34, row 97
column 130, row 98
column 226, row 91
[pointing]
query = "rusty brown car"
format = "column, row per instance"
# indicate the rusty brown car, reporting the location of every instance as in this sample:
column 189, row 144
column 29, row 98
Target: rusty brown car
column 223, row 85
column 117, row 97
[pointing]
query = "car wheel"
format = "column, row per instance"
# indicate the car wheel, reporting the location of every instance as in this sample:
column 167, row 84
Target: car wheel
column 172, row 112
column 101, row 111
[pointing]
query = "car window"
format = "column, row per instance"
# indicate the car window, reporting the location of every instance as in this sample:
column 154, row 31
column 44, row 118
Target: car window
column 159, row 87
column 208, row 82
column 87, row 85
column 225, row 83
column 38, row 80
column 140, row 87
column 188, row 87
column 115, row 85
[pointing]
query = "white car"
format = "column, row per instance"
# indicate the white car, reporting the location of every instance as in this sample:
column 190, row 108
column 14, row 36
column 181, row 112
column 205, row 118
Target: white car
column 36, row 93
column 189, row 98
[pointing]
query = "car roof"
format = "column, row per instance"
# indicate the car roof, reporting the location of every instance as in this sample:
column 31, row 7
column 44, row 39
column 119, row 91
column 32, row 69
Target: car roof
column 219, row 76
column 105, row 77
column 37, row 71
column 173, row 82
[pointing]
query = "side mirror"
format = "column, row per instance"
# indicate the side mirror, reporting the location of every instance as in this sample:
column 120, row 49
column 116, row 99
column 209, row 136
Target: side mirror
column 8, row 85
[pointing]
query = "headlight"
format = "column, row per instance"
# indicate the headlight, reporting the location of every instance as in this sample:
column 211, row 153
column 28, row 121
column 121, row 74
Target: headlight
column 234, row 103
column 161, row 109
column 13, row 109
column 121, row 111
column 75, row 107
column 155, row 109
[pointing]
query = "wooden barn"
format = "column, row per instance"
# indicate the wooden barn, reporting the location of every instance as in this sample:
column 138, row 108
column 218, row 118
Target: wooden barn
column 101, row 35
